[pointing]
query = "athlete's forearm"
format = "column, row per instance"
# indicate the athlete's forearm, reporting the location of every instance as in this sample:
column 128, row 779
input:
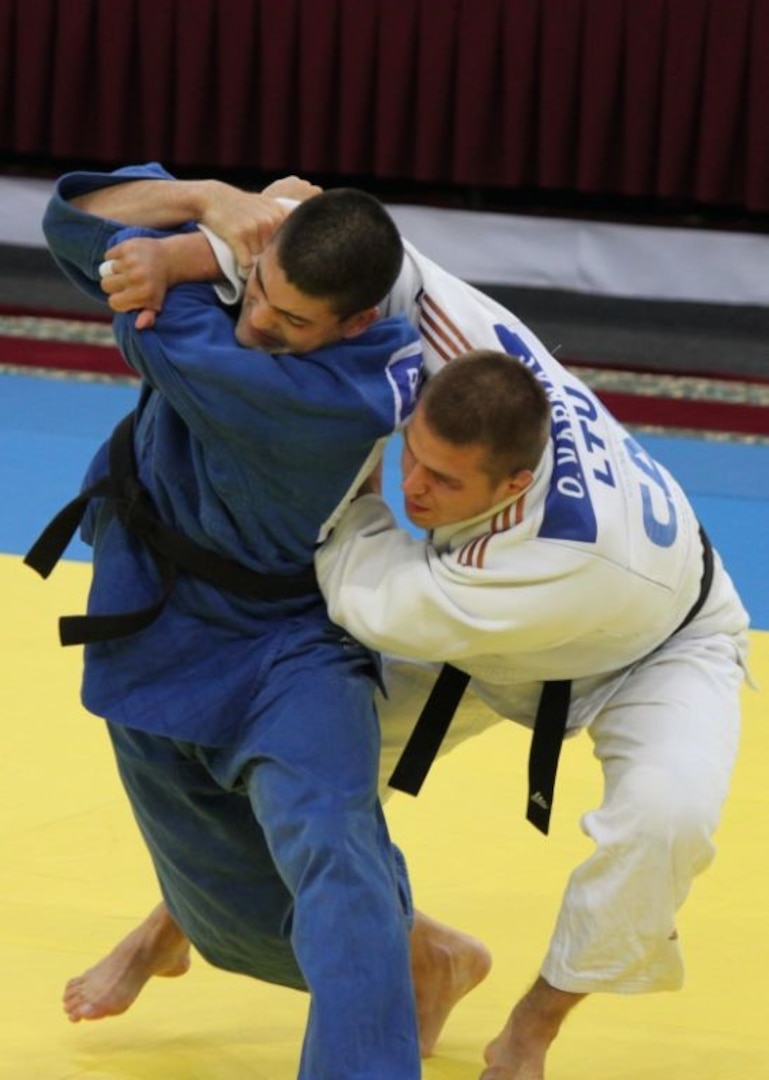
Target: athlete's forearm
column 190, row 257
column 157, row 204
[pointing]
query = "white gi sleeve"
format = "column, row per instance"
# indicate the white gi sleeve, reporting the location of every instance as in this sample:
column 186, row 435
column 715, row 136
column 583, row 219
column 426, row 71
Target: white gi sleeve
column 396, row 593
column 378, row 584
column 231, row 290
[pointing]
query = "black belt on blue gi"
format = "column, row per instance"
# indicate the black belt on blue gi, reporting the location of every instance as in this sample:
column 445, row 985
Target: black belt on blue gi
column 549, row 725
column 170, row 550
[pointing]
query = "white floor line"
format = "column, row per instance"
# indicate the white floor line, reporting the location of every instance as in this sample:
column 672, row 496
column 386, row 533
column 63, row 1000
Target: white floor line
column 641, row 261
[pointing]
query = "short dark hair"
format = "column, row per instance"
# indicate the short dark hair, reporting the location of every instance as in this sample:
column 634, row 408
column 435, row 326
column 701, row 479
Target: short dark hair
column 487, row 398
column 341, row 246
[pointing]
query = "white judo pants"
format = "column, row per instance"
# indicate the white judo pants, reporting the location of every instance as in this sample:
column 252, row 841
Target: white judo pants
column 666, row 740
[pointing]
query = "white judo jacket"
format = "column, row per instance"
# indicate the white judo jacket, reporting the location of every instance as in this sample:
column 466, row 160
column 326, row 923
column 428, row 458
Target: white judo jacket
column 585, row 577
column 590, row 570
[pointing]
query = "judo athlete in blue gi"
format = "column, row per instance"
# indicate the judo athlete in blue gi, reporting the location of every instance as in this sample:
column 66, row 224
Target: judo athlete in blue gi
column 242, row 719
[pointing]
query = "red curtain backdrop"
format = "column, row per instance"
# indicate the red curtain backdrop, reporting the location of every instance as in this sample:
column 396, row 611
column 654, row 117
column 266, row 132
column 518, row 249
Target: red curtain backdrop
column 663, row 99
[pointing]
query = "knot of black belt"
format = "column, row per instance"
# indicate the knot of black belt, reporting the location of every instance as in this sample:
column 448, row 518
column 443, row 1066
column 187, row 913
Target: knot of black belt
column 549, row 724
column 171, row 551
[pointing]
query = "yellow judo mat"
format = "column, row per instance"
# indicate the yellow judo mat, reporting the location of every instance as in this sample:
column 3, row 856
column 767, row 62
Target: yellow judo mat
column 75, row 879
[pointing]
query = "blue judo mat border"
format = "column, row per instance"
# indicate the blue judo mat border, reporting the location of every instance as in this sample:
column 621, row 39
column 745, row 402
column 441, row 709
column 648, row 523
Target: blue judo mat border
column 50, row 427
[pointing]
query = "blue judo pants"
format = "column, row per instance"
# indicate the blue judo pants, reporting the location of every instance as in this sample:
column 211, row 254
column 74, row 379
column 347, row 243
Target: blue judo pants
column 274, row 858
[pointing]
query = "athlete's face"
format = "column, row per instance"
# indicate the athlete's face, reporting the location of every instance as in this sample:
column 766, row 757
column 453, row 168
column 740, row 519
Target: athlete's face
column 444, row 483
column 277, row 318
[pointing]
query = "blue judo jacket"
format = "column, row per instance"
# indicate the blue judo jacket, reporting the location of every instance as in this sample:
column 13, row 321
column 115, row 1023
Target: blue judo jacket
column 247, row 453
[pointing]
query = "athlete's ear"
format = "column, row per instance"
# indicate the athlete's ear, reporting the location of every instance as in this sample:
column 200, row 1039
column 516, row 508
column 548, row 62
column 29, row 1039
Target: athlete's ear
column 516, row 484
column 356, row 324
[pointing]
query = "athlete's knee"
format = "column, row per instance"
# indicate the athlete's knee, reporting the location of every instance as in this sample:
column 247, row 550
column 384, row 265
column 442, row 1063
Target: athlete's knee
column 664, row 807
column 333, row 844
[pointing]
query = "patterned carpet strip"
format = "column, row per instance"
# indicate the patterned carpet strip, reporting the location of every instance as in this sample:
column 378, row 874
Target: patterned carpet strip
column 724, row 408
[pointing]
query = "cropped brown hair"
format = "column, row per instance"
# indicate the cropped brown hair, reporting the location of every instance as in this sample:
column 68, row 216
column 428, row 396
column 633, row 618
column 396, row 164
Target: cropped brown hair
column 341, row 246
column 490, row 399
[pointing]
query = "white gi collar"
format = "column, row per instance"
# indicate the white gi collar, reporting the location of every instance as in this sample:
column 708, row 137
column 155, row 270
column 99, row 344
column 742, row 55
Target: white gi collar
column 502, row 516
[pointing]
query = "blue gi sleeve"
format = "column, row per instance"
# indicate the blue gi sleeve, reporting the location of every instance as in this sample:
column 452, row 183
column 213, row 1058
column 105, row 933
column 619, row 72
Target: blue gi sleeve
column 78, row 240
column 359, row 388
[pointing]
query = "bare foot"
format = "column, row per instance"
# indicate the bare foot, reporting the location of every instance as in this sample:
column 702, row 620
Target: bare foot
column 510, row 1057
column 445, row 965
column 520, row 1049
column 156, row 947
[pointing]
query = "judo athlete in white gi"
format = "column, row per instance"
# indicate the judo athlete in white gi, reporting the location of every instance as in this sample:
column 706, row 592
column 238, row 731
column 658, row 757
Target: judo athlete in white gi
column 587, row 571
column 242, row 719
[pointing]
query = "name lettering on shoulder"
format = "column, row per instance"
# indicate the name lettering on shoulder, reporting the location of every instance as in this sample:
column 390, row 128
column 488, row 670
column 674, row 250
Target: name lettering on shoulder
column 569, row 511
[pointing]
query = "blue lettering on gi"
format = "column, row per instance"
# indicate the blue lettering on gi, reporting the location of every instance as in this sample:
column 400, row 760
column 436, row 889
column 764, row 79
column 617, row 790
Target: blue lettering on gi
column 569, row 512
column 405, row 372
column 661, row 532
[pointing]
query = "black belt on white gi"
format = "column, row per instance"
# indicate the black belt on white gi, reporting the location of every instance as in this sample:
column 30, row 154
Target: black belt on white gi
column 549, row 725
column 170, row 550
